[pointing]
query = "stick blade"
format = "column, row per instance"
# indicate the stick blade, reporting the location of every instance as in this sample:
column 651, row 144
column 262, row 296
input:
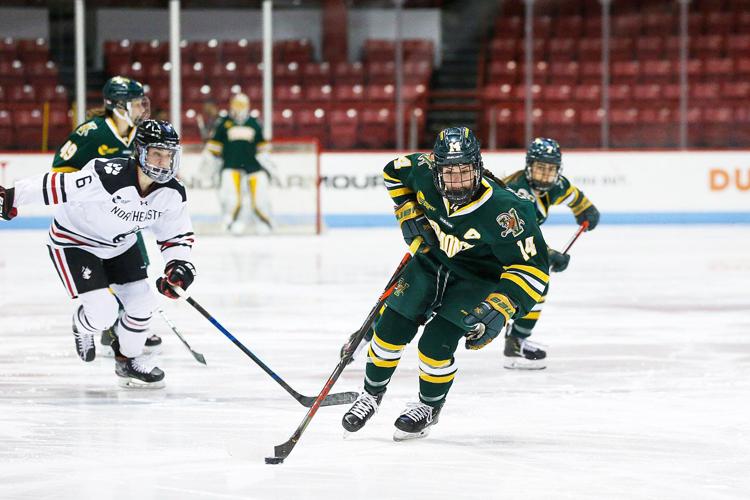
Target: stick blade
column 339, row 398
column 199, row 357
column 281, row 451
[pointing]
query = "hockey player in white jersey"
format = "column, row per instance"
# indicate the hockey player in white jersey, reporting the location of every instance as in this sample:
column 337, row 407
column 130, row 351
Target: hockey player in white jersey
column 92, row 242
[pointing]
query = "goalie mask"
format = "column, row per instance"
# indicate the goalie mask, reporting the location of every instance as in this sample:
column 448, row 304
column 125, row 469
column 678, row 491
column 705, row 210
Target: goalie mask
column 239, row 108
column 158, row 150
column 125, row 99
column 457, row 169
column 543, row 164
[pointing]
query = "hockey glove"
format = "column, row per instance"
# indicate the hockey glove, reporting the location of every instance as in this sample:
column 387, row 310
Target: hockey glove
column 177, row 273
column 7, row 210
column 414, row 223
column 558, row 262
column 487, row 319
column 591, row 215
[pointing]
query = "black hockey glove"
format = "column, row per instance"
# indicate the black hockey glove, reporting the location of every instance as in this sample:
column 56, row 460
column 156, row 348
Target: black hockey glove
column 487, row 320
column 591, row 215
column 414, row 223
column 177, row 273
column 558, row 262
column 7, row 210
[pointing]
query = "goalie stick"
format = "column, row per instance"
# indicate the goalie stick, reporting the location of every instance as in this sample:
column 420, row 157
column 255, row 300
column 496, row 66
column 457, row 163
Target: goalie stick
column 283, row 450
column 340, row 398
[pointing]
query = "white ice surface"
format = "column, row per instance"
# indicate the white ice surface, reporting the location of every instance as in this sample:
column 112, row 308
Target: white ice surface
column 647, row 394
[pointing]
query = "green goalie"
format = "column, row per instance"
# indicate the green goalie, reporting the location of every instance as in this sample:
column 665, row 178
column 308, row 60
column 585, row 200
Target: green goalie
column 484, row 263
column 541, row 182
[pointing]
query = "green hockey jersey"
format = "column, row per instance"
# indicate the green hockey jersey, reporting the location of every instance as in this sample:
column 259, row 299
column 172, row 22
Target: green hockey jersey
column 237, row 143
column 563, row 192
column 495, row 238
column 96, row 138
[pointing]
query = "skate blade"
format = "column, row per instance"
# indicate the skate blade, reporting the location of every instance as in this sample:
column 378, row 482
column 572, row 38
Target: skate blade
column 399, row 435
column 524, row 364
column 134, row 383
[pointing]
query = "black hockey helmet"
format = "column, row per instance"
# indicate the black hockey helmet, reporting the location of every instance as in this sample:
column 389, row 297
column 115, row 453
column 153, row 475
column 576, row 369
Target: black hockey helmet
column 162, row 164
column 120, row 93
column 546, row 152
column 457, row 150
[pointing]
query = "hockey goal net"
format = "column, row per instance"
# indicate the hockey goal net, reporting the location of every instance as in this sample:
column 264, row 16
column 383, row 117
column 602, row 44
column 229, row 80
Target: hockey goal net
column 287, row 191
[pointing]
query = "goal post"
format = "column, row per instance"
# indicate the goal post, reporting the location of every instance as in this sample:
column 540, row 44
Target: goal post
column 287, row 190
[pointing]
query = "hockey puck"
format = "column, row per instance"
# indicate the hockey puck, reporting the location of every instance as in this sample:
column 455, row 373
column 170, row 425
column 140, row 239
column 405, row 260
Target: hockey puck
column 274, row 460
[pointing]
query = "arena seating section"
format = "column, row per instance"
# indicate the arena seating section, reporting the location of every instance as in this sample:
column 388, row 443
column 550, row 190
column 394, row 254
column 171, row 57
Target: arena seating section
column 352, row 105
column 343, row 105
column 27, row 80
column 644, row 86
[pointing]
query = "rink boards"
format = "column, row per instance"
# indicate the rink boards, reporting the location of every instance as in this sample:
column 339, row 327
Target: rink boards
column 627, row 187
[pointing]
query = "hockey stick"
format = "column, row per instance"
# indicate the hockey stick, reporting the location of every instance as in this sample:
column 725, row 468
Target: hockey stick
column 580, row 231
column 340, row 398
column 198, row 356
column 283, row 450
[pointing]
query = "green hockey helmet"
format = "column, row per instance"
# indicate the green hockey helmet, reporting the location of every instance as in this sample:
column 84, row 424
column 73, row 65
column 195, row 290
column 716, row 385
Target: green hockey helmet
column 125, row 98
column 457, row 169
column 543, row 163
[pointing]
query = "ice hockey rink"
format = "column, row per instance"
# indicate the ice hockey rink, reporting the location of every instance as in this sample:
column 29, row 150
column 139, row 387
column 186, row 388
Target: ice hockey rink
column 645, row 396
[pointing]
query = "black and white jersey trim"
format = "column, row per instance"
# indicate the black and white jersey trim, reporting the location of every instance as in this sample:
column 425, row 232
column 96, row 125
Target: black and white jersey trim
column 53, row 188
column 64, row 237
column 181, row 240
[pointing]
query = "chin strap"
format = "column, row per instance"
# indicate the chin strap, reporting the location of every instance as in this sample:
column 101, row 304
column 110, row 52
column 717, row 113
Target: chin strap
column 125, row 116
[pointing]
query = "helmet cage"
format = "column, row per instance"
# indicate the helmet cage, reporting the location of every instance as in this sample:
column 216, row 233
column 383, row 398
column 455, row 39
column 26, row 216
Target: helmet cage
column 123, row 109
column 158, row 174
column 457, row 182
column 540, row 183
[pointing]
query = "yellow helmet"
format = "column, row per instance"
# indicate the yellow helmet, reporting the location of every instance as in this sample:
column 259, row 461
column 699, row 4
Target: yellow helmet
column 239, row 107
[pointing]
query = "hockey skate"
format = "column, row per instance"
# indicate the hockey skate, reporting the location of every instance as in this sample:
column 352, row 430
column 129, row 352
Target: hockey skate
column 84, row 344
column 522, row 354
column 360, row 412
column 138, row 372
column 415, row 421
column 153, row 343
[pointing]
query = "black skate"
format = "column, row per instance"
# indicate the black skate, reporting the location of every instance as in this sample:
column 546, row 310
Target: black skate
column 108, row 336
column 522, row 354
column 415, row 421
column 363, row 408
column 138, row 372
column 362, row 344
column 84, row 344
column 152, row 343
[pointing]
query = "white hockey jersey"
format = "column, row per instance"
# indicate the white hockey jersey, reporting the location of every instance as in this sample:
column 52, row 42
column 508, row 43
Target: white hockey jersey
column 100, row 209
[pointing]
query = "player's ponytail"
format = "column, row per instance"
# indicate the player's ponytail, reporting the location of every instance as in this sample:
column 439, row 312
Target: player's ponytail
column 95, row 112
column 486, row 173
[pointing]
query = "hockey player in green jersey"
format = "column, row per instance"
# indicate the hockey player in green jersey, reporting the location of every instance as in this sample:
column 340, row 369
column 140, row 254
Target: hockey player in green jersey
column 542, row 183
column 483, row 263
column 110, row 133
column 237, row 139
